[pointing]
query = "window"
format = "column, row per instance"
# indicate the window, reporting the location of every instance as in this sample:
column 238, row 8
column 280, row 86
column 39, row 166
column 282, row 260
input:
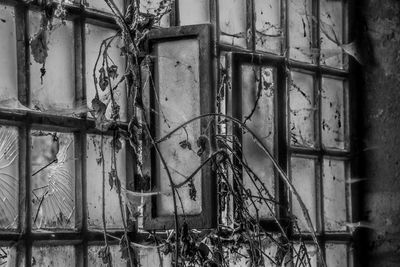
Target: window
column 281, row 67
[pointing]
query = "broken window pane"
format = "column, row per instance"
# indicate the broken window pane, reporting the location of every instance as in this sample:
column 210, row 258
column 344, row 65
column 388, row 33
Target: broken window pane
column 334, row 181
column 305, row 255
column 304, row 180
column 102, row 5
column 177, row 79
column 8, row 257
column 300, row 30
column 156, row 7
column 53, row 256
column 95, row 261
column 9, row 177
column 333, row 112
column 96, row 168
column 52, row 90
column 331, row 32
column 95, row 35
column 232, row 22
column 336, row 255
column 194, row 12
column 303, row 110
column 258, row 89
column 8, row 55
column 53, row 180
column 268, row 25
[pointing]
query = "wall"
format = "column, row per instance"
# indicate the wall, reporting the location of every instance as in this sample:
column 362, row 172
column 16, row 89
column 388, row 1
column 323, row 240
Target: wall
column 379, row 23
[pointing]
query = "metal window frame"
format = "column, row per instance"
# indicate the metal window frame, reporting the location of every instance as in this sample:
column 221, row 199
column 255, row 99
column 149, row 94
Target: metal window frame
column 207, row 218
column 24, row 237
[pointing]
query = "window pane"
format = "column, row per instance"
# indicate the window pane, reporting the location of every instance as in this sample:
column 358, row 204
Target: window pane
column 8, row 54
column 304, row 180
column 8, row 257
column 333, row 112
column 268, row 25
column 153, row 257
column 55, row 91
column 194, row 12
column 53, row 256
column 335, row 195
column 53, row 180
column 232, row 22
column 102, row 5
column 305, row 255
column 300, row 29
column 331, row 32
column 336, row 255
column 9, row 177
column 177, row 78
column 259, row 82
column 302, row 110
column 95, row 261
column 95, row 35
column 94, row 181
column 152, row 7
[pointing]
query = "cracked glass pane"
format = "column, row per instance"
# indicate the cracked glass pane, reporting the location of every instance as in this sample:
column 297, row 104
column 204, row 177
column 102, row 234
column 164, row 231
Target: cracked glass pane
column 333, row 114
column 53, row 256
column 232, row 22
column 268, row 25
column 303, row 110
column 331, row 32
column 177, row 79
column 95, row 261
column 300, row 30
column 95, row 169
column 53, row 180
column 102, row 5
column 95, row 35
column 153, row 7
column 194, row 12
column 337, row 255
column 305, row 255
column 53, row 90
column 8, row 57
column 9, row 177
column 303, row 171
column 334, row 180
column 258, row 89
column 8, row 257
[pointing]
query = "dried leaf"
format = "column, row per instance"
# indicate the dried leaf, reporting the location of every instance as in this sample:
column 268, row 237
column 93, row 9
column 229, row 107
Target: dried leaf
column 185, row 144
column 112, row 71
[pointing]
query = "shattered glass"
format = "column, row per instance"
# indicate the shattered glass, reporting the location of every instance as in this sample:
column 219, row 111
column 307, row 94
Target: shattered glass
column 153, row 7
column 53, row 180
column 9, row 177
column 95, row 261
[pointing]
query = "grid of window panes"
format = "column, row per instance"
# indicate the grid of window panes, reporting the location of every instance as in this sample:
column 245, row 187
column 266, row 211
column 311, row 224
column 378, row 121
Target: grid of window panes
column 52, row 159
column 310, row 34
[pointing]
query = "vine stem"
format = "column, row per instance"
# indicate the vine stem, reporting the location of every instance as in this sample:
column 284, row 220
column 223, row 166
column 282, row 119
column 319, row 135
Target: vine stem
column 266, row 151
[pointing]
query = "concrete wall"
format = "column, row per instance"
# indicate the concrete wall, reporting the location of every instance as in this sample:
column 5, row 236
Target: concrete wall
column 379, row 31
